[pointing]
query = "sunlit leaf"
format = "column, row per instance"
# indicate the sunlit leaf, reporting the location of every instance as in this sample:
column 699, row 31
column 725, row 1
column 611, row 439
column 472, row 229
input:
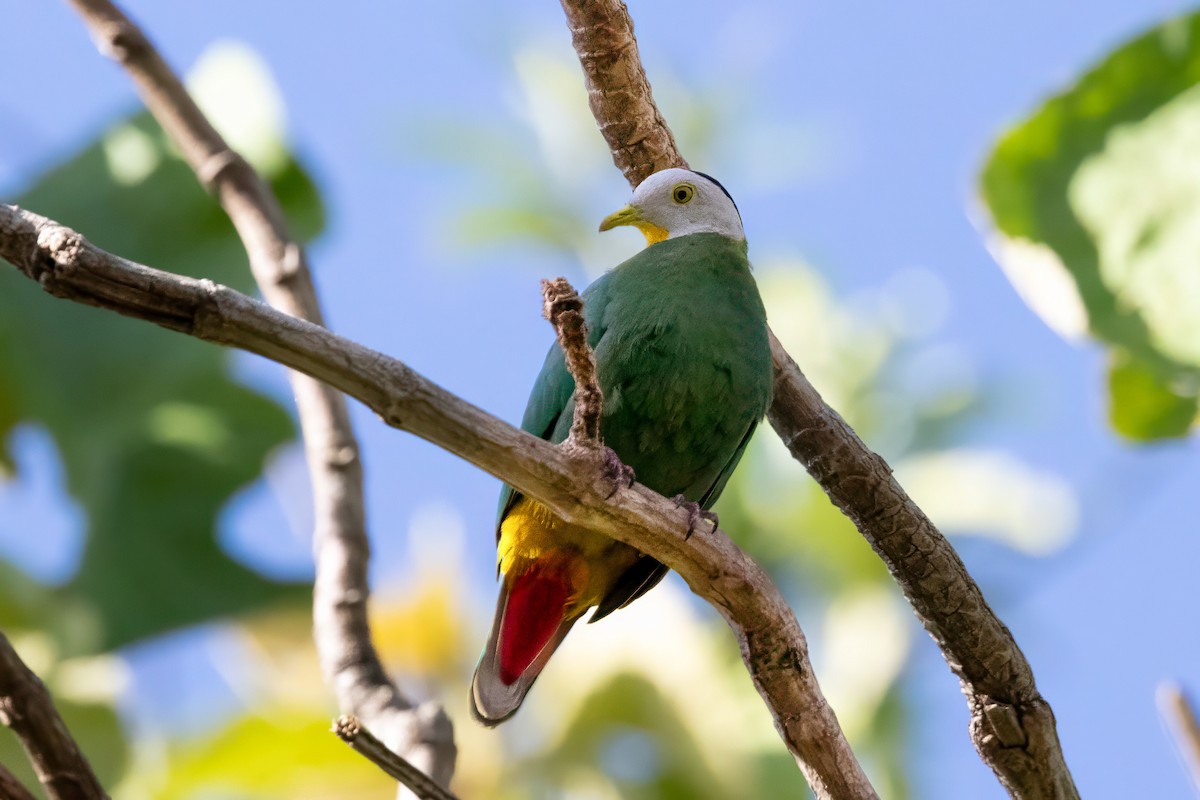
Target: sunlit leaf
column 864, row 647
column 1100, row 184
column 279, row 752
column 1143, row 407
column 993, row 494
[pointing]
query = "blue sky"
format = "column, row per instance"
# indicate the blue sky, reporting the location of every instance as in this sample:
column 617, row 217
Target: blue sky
column 897, row 106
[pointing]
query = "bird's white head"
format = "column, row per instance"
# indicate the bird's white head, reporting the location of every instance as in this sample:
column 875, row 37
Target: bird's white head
column 676, row 202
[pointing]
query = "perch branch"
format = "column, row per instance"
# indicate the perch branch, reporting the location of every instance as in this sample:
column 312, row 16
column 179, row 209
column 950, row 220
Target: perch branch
column 363, row 742
column 26, row 707
column 1177, row 711
column 11, row 788
column 1012, row 726
column 772, row 644
column 279, row 264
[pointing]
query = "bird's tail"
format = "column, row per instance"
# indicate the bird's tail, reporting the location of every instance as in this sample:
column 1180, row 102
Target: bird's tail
column 531, row 621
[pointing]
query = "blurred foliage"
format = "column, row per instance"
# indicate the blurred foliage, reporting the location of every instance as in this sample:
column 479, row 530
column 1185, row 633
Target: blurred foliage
column 1097, row 215
column 154, row 434
column 280, row 752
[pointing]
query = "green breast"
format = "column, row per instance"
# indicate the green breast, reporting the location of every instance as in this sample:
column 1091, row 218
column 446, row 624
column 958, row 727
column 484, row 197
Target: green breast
column 683, row 358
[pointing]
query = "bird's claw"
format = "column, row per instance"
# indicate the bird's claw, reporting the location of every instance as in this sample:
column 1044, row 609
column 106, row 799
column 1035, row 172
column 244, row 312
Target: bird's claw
column 695, row 514
column 618, row 473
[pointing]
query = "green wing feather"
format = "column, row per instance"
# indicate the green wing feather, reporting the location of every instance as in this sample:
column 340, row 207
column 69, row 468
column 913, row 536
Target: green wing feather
column 552, row 396
column 646, row 572
column 680, row 321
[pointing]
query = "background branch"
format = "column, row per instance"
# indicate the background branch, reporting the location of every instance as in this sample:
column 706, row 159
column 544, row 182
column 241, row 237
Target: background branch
column 341, row 550
column 363, row 742
column 1180, row 715
column 1012, row 726
column 11, row 788
column 26, row 707
column 576, row 489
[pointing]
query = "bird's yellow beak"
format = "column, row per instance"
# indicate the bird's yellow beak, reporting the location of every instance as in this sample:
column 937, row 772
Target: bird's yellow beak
column 632, row 215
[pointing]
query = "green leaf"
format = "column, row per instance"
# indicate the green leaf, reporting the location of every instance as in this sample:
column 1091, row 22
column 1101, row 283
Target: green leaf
column 1098, row 215
column 23, row 601
column 1143, row 408
column 154, row 434
column 285, row 752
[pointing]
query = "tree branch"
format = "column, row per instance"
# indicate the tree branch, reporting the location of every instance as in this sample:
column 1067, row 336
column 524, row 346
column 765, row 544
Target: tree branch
column 26, row 707
column 1012, row 726
column 563, row 309
column 576, row 489
column 363, row 742
column 1180, row 716
column 341, row 549
column 618, row 91
column 11, row 788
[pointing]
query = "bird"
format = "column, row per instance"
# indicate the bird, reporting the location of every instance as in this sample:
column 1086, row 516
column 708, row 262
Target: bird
column 683, row 360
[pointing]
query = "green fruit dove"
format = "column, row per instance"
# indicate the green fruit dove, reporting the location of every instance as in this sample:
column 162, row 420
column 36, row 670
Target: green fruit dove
column 684, row 362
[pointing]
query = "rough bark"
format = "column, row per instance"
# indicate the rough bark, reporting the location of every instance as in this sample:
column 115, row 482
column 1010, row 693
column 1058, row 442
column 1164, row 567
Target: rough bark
column 575, row 488
column 618, row 91
column 1012, row 726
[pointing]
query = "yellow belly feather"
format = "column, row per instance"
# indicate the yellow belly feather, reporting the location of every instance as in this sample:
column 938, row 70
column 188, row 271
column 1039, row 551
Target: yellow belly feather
column 531, row 533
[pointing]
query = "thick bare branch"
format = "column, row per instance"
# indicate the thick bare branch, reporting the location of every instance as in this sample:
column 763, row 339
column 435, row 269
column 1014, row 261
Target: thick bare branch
column 618, row 90
column 576, row 489
column 363, row 742
column 1012, row 726
column 280, row 267
column 26, row 707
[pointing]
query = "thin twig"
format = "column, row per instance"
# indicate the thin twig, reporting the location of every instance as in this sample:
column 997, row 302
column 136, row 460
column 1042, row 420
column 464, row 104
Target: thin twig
column 26, row 707
column 11, row 788
column 1180, row 715
column 363, row 742
column 1012, row 726
column 341, row 550
column 576, row 489
column 562, row 307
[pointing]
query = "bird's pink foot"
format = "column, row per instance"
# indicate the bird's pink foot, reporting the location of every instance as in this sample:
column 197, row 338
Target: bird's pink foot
column 695, row 514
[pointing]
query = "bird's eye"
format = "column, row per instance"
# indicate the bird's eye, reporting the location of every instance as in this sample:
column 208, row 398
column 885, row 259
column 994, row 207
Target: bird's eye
column 683, row 193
